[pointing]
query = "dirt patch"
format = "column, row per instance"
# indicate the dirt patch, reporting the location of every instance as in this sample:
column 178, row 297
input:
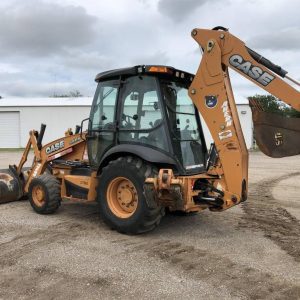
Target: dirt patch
column 199, row 264
column 47, row 283
column 228, row 255
column 263, row 213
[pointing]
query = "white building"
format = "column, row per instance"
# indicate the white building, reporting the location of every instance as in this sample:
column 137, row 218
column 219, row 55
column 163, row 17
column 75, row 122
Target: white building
column 20, row 115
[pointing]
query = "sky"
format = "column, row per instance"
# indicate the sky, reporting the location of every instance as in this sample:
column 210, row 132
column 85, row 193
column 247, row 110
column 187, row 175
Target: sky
column 54, row 47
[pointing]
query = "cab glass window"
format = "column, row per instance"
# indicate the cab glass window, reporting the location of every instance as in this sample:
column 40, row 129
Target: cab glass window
column 141, row 116
column 103, row 109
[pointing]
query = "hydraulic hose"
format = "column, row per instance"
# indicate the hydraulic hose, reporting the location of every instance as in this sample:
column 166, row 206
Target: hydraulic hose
column 267, row 63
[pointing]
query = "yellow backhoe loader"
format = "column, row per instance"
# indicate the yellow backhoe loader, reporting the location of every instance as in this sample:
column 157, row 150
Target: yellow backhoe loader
column 144, row 150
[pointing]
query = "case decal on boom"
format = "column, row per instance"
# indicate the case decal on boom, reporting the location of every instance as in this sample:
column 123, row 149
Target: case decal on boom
column 228, row 122
column 254, row 72
column 225, row 135
column 226, row 113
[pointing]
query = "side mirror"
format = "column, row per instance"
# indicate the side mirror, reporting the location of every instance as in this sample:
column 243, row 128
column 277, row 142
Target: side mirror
column 77, row 129
column 81, row 127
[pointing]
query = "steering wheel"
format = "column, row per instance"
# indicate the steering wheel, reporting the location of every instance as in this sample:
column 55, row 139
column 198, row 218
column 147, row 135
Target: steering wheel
column 108, row 126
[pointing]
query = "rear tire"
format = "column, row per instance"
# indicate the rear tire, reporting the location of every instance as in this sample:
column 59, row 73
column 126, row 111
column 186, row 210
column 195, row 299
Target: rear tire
column 44, row 194
column 121, row 197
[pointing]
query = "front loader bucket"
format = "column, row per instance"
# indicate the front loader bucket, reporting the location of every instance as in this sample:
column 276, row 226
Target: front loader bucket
column 275, row 135
column 11, row 185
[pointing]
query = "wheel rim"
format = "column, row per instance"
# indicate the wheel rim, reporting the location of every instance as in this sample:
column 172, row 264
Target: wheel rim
column 38, row 195
column 122, row 197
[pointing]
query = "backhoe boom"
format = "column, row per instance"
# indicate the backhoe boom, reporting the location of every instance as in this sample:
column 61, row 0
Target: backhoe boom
column 212, row 94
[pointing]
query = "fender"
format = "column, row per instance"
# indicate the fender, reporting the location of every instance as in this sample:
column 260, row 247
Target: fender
column 144, row 152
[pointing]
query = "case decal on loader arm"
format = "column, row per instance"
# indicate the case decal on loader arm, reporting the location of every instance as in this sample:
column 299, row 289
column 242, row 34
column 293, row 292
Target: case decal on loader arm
column 14, row 182
column 55, row 147
column 36, row 170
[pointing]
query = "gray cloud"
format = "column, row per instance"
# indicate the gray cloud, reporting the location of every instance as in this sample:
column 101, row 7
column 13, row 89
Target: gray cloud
column 284, row 39
column 49, row 46
column 25, row 88
column 158, row 57
column 178, row 10
column 40, row 28
column 84, row 60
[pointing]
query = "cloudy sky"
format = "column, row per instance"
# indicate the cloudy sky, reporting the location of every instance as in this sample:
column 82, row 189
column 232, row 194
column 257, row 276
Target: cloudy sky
column 53, row 47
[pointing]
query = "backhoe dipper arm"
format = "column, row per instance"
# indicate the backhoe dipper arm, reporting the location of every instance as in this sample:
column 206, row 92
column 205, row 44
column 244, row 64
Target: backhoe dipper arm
column 212, row 94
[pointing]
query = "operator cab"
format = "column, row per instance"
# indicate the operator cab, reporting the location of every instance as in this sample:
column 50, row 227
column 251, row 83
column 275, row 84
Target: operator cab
column 146, row 111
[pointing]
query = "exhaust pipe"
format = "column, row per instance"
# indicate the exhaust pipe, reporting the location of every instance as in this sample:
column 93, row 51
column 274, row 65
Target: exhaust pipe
column 11, row 185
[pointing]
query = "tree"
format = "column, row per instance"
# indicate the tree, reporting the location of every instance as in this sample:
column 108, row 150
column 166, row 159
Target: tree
column 72, row 94
column 293, row 113
column 269, row 103
column 75, row 93
column 272, row 104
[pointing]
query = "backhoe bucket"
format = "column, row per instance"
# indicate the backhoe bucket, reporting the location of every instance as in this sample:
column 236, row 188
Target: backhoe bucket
column 275, row 135
column 11, row 185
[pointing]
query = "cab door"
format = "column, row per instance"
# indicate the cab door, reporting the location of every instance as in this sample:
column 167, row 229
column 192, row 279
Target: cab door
column 102, row 127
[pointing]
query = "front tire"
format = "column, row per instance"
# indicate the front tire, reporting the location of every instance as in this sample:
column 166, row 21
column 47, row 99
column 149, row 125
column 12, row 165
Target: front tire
column 121, row 197
column 44, row 194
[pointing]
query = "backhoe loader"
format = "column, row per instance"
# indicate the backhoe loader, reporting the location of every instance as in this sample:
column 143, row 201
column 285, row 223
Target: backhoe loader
column 144, row 150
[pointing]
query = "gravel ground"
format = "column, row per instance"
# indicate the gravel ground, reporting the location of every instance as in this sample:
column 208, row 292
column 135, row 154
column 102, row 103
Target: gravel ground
column 251, row 251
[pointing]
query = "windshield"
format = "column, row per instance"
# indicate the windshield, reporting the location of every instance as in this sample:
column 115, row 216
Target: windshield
column 103, row 109
column 184, row 125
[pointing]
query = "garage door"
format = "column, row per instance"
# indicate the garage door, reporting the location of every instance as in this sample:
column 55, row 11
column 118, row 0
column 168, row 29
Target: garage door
column 9, row 129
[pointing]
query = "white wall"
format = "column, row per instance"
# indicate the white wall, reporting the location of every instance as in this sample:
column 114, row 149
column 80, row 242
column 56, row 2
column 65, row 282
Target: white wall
column 57, row 119
column 246, row 123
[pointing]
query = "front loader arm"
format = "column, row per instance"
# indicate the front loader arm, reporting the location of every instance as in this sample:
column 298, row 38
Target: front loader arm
column 212, row 94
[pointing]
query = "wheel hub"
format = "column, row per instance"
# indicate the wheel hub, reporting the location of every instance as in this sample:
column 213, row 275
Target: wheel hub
column 122, row 197
column 38, row 195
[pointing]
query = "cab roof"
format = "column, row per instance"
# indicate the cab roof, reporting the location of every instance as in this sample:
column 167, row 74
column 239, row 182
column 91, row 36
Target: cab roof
column 144, row 69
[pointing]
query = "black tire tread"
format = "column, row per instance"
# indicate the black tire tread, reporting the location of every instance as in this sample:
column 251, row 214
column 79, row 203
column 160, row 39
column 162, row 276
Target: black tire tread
column 52, row 187
column 144, row 170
